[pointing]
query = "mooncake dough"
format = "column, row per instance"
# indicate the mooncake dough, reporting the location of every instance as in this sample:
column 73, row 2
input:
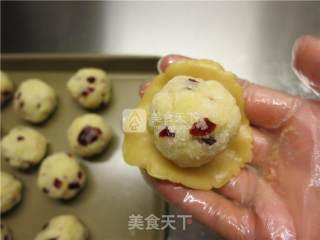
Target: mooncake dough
column 5, row 233
column 89, row 135
column 23, row 147
column 35, row 100
column 6, row 87
column 192, row 120
column 10, row 191
column 90, row 87
column 63, row 227
column 61, row 176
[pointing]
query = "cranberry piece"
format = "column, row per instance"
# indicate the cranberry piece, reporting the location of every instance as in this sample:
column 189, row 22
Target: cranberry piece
column 202, row 128
column 79, row 175
column 87, row 91
column 193, row 80
column 6, row 94
column 21, row 104
column 91, row 79
column 45, row 226
column 166, row 133
column 57, row 183
column 209, row 141
column 45, row 190
column 74, row 185
column 20, row 138
column 88, row 135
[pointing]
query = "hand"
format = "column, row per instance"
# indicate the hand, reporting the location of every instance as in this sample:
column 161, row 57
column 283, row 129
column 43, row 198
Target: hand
column 277, row 196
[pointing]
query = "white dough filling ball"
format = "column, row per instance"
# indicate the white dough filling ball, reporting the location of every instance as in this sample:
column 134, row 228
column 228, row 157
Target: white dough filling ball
column 192, row 120
column 5, row 233
column 10, row 192
column 35, row 100
column 23, row 147
column 63, row 227
column 61, row 176
column 90, row 87
column 6, row 87
column 89, row 135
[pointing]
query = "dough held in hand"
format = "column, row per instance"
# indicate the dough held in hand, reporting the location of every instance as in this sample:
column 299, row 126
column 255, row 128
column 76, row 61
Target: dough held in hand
column 89, row 135
column 192, row 120
column 63, row 227
column 23, row 147
column 6, row 87
column 90, row 87
column 35, row 100
column 61, row 176
column 10, row 191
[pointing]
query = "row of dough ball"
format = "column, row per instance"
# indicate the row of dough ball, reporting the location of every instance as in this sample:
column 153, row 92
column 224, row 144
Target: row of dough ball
column 35, row 100
column 25, row 147
column 62, row 227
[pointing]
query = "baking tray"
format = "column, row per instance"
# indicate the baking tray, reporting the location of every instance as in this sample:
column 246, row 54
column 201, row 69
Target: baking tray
column 114, row 190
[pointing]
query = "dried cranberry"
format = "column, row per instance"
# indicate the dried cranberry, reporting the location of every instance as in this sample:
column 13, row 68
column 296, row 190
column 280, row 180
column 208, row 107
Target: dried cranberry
column 20, row 138
column 21, row 104
column 87, row 91
column 91, row 79
column 57, row 183
column 74, row 185
column 45, row 226
column 202, row 128
column 6, row 94
column 193, row 80
column 45, row 190
column 209, row 140
column 88, row 135
column 79, row 175
column 166, row 133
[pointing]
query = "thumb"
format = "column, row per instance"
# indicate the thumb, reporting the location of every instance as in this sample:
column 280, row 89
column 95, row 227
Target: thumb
column 306, row 61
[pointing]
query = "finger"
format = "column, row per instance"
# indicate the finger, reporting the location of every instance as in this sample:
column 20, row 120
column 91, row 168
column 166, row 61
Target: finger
column 261, row 147
column 268, row 108
column 143, row 87
column 165, row 61
column 221, row 215
column 274, row 220
column 306, row 61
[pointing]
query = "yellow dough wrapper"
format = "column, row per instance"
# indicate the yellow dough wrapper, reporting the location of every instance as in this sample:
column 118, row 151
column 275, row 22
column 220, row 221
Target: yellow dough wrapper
column 222, row 123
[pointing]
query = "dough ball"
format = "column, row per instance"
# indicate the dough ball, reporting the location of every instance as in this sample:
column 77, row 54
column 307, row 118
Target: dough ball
column 5, row 233
column 35, row 100
column 61, row 176
column 23, row 147
column 6, row 87
column 63, row 227
column 192, row 120
column 10, row 191
column 88, row 135
column 90, row 87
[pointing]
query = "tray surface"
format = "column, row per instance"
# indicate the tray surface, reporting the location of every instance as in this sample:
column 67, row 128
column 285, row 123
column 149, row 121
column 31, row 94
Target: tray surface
column 114, row 190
